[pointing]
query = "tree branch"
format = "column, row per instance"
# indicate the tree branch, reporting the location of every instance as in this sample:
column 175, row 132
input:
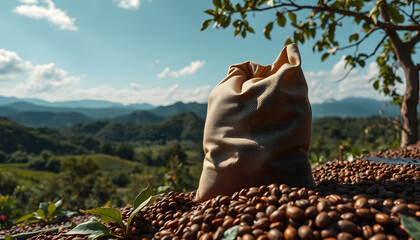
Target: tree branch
column 361, row 40
column 324, row 8
column 376, row 48
column 414, row 40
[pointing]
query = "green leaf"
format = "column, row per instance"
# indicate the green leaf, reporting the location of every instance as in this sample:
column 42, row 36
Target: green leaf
column 25, row 218
column 40, row 213
column 354, row 37
column 250, row 29
column 376, row 84
column 281, row 20
column 89, row 227
column 231, row 233
column 148, row 201
column 206, row 24
column 292, row 17
column 43, row 206
column 210, row 12
column 243, row 33
column 73, row 225
column 143, row 195
column 268, row 29
column 325, row 56
column 63, row 213
column 217, row 3
column 51, row 209
column 8, row 237
column 412, row 226
column 107, row 215
column 58, row 203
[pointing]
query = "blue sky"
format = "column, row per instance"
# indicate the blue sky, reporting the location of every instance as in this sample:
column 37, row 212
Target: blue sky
column 135, row 51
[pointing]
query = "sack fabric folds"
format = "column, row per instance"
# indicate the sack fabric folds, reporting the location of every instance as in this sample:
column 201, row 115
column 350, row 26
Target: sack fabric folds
column 258, row 128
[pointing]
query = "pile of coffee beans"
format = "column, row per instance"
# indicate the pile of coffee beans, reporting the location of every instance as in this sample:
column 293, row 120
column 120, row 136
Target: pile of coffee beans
column 353, row 200
column 412, row 151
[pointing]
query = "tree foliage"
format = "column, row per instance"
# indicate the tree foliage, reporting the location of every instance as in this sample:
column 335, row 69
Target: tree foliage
column 394, row 25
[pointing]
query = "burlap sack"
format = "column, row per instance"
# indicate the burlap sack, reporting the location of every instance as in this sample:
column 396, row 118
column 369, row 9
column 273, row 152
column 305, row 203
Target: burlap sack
column 258, row 128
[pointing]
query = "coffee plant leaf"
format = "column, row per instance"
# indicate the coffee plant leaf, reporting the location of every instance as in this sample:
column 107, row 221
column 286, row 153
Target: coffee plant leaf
column 107, row 215
column 96, row 235
column 231, row 233
column 64, row 213
column 58, row 203
column 136, row 210
column 412, row 226
column 143, row 195
column 8, row 237
column 73, row 225
column 93, row 226
column 25, row 218
column 51, row 209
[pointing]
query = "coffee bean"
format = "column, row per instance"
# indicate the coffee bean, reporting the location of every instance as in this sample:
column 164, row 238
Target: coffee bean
column 305, row 232
column 275, row 234
column 348, row 226
column 247, row 236
column 329, row 232
column 344, row 236
column 378, row 236
column 244, row 229
column 364, row 213
column 277, row 216
column 382, row 219
column 311, row 212
column 294, row 212
column 322, row 220
column 290, row 233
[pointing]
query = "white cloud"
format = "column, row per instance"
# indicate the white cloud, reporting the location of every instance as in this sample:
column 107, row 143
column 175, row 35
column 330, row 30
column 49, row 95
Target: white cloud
column 11, row 65
column 323, row 85
column 187, row 70
column 127, row 4
column 29, row 1
column 48, row 11
column 38, row 78
column 164, row 72
column 48, row 77
column 49, row 82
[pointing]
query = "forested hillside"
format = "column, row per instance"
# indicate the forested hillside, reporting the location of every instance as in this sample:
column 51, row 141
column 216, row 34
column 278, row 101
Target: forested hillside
column 15, row 137
column 183, row 127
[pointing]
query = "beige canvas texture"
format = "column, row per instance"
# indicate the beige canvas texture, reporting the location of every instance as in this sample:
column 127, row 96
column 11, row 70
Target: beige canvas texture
column 258, row 128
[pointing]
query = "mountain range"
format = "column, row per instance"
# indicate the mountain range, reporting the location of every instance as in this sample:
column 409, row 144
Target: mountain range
column 40, row 113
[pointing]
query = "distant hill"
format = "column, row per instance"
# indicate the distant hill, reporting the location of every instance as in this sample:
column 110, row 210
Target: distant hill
column 48, row 119
column 75, row 104
column 184, row 126
column 200, row 109
column 140, row 117
column 16, row 137
column 353, row 107
column 94, row 113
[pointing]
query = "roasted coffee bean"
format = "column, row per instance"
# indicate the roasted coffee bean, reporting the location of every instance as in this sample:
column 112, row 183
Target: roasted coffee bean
column 275, row 234
column 322, row 220
column 310, row 212
column 248, row 236
column 329, row 232
column 344, row 236
column 244, row 229
column 378, row 236
column 348, row 226
column 290, row 233
column 294, row 212
column 277, row 216
column 305, row 232
column 382, row 219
